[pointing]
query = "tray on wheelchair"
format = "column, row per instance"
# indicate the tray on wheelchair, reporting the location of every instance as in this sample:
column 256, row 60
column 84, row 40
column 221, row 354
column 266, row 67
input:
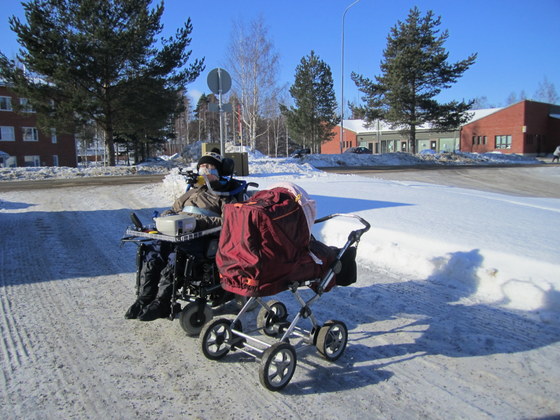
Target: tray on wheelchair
column 133, row 233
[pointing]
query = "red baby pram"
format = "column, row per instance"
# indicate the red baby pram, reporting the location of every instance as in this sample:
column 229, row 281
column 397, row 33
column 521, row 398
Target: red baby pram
column 278, row 356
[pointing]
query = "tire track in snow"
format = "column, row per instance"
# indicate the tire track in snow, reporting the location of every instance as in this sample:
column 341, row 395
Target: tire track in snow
column 151, row 370
column 16, row 348
column 73, row 383
column 76, row 246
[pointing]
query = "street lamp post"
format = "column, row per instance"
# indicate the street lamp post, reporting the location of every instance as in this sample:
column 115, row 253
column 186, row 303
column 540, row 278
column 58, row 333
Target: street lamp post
column 342, row 80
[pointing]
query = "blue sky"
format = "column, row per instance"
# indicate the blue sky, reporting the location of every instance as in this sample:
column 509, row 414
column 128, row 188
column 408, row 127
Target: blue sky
column 516, row 40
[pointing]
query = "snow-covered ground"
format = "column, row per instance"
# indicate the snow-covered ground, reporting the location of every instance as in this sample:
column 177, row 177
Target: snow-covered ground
column 456, row 313
column 262, row 164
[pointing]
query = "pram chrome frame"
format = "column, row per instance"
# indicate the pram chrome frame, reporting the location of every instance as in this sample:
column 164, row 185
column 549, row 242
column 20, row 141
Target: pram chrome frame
column 278, row 360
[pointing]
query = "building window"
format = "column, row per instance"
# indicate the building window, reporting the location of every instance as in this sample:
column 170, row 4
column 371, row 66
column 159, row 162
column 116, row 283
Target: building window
column 7, row 134
column 25, row 105
column 5, row 103
column 503, row 142
column 54, row 139
column 8, row 162
column 484, row 140
column 30, row 134
column 31, row 160
column 478, row 140
column 55, row 160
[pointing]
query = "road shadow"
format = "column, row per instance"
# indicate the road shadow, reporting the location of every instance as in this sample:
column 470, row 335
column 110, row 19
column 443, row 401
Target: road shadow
column 13, row 205
column 351, row 205
column 432, row 321
column 40, row 246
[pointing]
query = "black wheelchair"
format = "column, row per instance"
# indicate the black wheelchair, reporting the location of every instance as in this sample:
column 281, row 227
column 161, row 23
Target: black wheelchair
column 196, row 282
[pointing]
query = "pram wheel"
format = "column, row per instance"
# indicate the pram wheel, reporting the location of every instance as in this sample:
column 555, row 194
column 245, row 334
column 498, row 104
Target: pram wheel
column 267, row 319
column 278, row 365
column 215, row 338
column 332, row 340
column 193, row 317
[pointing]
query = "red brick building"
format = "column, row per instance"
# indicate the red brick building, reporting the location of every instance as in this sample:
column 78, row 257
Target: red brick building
column 23, row 144
column 350, row 138
column 379, row 137
column 525, row 128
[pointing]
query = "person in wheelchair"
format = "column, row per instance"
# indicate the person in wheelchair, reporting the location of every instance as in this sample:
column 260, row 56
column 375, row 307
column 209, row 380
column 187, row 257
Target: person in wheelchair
column 204, row 202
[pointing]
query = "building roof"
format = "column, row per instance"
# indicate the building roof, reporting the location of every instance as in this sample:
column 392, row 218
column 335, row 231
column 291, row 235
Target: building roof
column 482, row 113
column 359, row 126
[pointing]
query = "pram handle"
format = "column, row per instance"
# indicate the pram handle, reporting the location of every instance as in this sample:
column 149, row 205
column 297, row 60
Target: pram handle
column 355, row 235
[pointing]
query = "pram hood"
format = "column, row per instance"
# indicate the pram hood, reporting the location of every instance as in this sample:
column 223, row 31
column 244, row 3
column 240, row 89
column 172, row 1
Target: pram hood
column 308, row 205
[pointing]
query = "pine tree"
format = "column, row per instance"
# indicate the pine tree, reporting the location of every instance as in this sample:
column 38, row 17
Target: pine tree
column 98, row 61
column 312, row 119
column 208, row 121
column 415, row 70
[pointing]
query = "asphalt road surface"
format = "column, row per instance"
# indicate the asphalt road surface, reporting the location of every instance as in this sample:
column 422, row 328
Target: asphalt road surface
column 531, row 181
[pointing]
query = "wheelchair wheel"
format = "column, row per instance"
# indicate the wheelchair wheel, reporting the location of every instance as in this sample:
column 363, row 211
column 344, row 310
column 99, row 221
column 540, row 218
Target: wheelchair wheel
column 332, row 339
column 215, row 338
column 278, row 365
column 193, row 317
column 266, row 319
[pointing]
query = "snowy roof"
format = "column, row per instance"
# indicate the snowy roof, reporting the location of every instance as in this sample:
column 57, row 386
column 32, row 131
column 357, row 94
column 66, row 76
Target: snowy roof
column 481, row 113
column 359, row 126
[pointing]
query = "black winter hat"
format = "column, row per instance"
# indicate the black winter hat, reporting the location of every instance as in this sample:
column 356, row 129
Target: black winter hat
column 213, row 158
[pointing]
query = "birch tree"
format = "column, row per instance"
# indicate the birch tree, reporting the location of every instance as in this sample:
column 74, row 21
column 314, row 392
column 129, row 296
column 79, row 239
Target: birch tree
column 253, row 63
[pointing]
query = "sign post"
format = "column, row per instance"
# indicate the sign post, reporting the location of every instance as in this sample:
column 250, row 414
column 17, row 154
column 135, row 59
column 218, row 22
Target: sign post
column 219, row 82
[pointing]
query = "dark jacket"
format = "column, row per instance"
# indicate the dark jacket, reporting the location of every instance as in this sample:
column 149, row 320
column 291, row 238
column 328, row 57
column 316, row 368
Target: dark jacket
column 204, row 199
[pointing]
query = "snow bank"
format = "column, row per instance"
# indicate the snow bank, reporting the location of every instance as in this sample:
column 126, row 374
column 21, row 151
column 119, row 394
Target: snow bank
column 505, row 264
column 422, row 231
column 261, row 164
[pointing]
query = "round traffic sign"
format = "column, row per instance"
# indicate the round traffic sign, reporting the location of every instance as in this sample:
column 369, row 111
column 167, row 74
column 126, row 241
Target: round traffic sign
column 219, row 81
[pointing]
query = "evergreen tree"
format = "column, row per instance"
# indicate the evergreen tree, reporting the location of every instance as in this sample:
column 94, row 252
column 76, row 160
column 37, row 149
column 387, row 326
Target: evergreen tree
column 98, row 61
column 312, row 119
column 208, row 121
column 414, row 71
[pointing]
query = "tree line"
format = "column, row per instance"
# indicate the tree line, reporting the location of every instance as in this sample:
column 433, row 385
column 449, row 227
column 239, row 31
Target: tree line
column 98, row 68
